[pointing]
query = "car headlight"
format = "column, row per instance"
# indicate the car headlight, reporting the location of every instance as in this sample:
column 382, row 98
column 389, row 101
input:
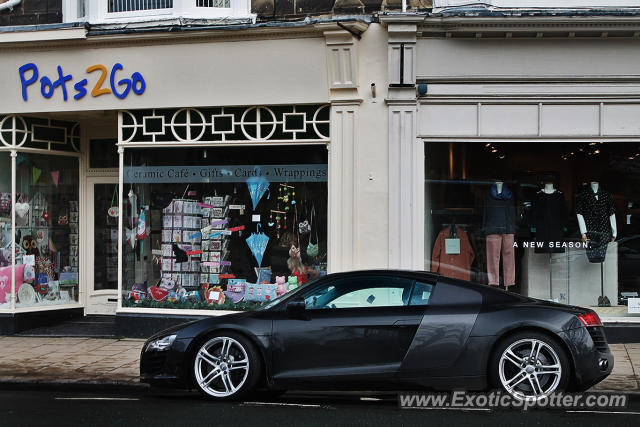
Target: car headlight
column 161, row 344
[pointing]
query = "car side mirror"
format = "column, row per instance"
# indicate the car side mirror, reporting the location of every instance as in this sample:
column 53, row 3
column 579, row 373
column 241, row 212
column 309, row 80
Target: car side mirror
column 296, row 309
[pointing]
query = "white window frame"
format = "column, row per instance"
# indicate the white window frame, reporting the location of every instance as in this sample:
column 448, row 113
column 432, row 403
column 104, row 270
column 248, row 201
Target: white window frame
column 96, row 12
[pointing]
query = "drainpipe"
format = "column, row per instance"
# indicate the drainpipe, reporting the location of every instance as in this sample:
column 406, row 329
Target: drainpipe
column 9, row 4
column 404, row 5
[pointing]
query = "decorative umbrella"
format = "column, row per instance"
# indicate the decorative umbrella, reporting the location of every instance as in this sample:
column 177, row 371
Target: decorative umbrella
column 258, row 243
column 257, row 187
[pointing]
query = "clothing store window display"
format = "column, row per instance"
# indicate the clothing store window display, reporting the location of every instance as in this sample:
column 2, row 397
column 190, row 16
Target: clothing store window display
column 499, row 225
column 597, row 221
column 452, row 254
column 549, row 217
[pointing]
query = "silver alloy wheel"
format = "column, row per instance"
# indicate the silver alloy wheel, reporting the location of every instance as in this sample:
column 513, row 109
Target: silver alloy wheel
column 221, row 366
column 530, row 369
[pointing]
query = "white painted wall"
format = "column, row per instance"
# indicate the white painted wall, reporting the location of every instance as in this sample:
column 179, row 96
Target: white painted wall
column 530, row 58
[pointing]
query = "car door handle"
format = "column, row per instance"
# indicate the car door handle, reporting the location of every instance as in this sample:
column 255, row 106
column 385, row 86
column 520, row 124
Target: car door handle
column 407, row 322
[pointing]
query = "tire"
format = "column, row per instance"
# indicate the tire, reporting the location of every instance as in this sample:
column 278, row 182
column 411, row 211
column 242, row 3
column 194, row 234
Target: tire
column 529, row 366
column 226, row 366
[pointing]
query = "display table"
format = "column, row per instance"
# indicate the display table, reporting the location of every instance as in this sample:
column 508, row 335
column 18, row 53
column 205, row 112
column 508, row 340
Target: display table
column 569, row 277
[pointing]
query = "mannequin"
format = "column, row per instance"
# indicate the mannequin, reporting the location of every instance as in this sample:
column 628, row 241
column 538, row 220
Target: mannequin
column 499, row 225
column 597, row 220
column 548, row 188
column 549, row 217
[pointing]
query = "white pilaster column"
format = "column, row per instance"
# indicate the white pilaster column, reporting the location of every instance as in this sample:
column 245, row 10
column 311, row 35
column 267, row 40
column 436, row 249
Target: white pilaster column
column 342, row 240
column 343, row 187
column 406, row 153
column 406, row 188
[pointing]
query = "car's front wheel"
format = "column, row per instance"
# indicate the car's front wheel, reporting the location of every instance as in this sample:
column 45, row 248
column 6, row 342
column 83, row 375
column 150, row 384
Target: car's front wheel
column 530, row 365
column 226, row 366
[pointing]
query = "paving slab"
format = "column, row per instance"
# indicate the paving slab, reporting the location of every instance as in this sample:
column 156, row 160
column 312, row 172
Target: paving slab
column 113, row 362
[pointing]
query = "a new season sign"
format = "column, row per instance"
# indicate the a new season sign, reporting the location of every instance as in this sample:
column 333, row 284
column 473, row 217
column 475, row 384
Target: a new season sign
column 95, row 83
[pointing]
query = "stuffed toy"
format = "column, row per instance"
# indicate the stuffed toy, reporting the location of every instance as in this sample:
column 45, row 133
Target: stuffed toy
column 281, row 287
column 30, row 245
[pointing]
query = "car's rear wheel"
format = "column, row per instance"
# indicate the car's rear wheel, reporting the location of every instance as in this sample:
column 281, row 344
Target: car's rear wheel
column 226, row 366
column 530, row 365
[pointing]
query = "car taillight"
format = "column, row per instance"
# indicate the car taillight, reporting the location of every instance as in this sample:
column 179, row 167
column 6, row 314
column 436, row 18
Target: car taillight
column 590, row 318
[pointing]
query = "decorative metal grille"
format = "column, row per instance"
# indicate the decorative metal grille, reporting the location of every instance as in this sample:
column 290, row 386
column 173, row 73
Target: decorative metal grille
column 296, row 123
column 116, row 6
column 32, row 132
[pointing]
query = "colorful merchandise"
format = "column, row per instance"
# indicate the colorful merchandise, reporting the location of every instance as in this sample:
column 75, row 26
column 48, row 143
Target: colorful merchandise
column 260, row 292
column 236, row 290
column 158, row 294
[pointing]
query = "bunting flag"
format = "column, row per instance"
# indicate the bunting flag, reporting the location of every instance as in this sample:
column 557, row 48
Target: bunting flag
column 36, row 174
column 55, row 176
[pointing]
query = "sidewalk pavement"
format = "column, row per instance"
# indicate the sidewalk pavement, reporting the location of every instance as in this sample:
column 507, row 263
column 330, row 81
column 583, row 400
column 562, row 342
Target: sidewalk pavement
column 71, row 360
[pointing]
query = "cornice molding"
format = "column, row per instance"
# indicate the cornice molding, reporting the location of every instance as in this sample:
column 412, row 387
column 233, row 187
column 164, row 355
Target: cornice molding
column 511, row 24
column 167, row 38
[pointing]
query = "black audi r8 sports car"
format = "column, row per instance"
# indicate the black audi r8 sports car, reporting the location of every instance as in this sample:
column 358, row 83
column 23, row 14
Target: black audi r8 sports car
column 385, row 330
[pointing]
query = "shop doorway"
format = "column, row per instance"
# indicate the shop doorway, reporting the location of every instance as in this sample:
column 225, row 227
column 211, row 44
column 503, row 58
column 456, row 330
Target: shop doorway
column 102, row 248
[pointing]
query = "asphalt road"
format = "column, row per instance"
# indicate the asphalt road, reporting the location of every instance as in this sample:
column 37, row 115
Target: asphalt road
column 59, row 407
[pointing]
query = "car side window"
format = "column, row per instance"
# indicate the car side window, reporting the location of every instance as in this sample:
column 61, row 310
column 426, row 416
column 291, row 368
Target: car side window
column 375, row 291
column 421, row 294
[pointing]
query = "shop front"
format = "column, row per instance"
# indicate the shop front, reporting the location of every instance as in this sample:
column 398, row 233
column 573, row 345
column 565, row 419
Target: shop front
column 529, row 148
column 169, row 192
column 39, row 215
column 221, row 208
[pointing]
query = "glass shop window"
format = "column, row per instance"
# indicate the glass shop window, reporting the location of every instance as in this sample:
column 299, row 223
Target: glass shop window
column 558, row 221
column 47, row 238
column 5, row 230
column 222, row 228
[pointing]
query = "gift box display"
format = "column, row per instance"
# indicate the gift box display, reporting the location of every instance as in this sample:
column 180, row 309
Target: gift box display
column 260, row 292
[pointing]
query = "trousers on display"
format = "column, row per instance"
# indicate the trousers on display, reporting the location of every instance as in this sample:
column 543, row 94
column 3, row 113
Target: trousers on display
column 501, row 244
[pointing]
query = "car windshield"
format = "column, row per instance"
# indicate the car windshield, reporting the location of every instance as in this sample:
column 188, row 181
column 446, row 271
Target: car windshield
column 288, row 295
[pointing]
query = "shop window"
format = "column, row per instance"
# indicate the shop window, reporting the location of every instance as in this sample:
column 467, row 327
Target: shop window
column 222, row 228
column 5, row 230
column 47, row 238
column 555, row 221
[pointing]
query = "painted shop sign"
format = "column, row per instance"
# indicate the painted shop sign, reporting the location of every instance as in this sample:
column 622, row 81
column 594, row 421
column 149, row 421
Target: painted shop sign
column 63, row 83
column 236, row 173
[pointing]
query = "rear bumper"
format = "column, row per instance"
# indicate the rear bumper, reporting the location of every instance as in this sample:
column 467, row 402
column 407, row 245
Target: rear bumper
column 592, row 361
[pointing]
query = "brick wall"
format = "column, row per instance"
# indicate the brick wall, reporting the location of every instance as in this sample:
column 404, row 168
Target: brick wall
column 32, row 12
